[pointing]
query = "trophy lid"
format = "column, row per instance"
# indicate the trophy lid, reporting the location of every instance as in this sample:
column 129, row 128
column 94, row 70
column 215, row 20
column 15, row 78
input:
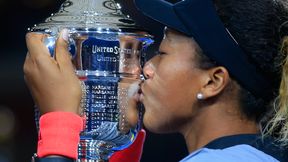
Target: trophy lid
column 90, row 15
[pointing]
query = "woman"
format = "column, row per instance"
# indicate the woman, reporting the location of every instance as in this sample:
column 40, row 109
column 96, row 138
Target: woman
column 213, row 80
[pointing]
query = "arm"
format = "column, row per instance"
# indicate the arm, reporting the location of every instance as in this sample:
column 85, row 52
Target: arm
column 56, row 91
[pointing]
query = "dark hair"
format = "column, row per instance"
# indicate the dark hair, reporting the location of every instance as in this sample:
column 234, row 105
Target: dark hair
column 255, row 25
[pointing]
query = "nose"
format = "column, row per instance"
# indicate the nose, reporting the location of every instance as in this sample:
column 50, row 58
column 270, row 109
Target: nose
column 149, row 68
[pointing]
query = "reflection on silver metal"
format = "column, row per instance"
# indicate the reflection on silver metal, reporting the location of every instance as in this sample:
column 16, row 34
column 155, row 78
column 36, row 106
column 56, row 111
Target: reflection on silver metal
column 96, row 15
column 107, row 51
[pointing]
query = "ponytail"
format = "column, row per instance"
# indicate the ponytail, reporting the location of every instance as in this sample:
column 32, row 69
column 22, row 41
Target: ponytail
column 280, row 121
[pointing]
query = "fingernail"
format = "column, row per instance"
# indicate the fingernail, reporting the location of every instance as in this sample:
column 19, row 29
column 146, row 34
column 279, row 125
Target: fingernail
column 65, row 34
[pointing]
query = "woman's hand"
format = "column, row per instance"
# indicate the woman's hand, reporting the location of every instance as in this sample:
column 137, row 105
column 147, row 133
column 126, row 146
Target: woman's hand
column 52, row 81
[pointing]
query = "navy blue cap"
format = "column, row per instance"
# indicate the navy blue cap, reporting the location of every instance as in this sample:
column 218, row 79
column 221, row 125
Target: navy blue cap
column 199, row 19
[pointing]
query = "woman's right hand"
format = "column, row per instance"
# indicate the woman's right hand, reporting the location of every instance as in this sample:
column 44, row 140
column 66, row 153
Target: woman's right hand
column 51, row 81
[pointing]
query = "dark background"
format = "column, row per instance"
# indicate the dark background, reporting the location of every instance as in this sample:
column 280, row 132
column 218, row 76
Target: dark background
column 17, row 129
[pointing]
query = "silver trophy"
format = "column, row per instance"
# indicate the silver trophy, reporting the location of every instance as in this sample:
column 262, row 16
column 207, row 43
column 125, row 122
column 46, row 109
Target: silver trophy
column 107, row 50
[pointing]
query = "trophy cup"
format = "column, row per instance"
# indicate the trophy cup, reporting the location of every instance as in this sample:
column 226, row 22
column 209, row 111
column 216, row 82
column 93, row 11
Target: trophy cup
column 107, row 50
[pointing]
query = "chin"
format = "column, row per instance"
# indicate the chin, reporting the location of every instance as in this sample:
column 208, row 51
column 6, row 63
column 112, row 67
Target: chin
column 149, row 124
column 154, row 127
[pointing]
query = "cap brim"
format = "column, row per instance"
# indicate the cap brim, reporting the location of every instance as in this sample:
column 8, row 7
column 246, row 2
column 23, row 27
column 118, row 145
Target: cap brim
column 153, row 8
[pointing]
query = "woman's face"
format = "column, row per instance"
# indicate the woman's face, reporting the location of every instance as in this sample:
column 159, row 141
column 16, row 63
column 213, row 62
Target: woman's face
column 173, row 80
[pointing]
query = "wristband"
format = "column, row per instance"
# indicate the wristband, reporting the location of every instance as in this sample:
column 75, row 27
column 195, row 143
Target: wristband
column 51, row 159
column 59, row 134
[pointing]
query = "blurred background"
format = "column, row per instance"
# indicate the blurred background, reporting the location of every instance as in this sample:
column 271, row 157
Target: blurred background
column 17, row 127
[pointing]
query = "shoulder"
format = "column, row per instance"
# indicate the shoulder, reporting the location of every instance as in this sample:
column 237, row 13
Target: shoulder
column 238, row 153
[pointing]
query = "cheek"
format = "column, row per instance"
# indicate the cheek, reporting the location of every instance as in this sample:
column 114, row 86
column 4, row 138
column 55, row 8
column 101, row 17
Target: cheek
column 170, row 99
column 176, row 85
